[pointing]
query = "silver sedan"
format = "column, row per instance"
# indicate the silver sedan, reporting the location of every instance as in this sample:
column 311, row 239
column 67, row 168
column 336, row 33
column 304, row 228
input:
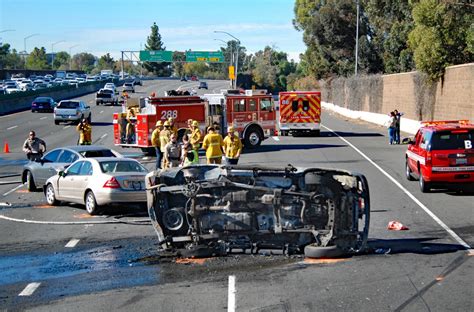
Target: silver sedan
column 97, row 182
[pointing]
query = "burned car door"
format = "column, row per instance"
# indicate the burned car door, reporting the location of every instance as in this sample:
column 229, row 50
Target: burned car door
column 209, row 210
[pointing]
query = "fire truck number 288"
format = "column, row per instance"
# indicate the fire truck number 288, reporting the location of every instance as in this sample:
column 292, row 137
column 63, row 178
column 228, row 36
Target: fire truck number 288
column 169, row 114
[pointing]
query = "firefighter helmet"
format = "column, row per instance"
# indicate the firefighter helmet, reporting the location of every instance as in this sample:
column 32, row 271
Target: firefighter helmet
column 159, row 123
column 231, row 129
column 195, row 123
column 166, row 123
column 171, row 120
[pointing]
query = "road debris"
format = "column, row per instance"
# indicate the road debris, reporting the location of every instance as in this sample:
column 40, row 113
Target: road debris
column 396, row 226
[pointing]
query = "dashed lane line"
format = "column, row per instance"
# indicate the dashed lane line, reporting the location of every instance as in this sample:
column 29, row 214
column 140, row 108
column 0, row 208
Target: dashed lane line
column 42, row 118
column 12, row 127
column 29, row 289
column 410, row 195
column 72, row 243
column 68, row 126
column 13, row 190
column 276, row 138
column 101, row 112
column 231, row 294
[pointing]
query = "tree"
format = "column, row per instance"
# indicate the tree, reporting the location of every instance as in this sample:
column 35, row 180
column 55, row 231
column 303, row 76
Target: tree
column 83, row 61
column 329, row 29
column 178, row 63
column 154, row 43
column 441, row 36
column 9, row 59
column 106, row 62
column 61, row 60
column 37, row 59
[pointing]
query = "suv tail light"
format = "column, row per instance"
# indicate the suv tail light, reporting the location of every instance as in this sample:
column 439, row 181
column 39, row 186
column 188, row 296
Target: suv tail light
column 428, row 159
column 112, row 183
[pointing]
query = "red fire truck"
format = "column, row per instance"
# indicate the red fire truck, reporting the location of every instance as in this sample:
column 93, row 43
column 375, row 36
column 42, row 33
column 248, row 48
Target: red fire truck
column 252, row 114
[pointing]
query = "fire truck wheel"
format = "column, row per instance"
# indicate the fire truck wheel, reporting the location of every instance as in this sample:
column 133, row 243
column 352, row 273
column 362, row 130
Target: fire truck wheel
column 316, row 133
column 253, row 137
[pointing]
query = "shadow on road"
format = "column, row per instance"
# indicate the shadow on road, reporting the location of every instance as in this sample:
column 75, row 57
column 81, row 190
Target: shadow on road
column 326, row 134
column 102, row 124
column 412, row 245
column 283, row 147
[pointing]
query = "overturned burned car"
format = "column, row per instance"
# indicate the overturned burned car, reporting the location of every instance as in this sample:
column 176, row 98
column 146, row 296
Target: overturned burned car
column 206, row 210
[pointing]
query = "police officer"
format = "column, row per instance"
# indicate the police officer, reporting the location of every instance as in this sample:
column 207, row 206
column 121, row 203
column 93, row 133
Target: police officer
column 173, row 152
column 213, row 144
column 34, row 147
column 232, row 147
column 156, row 142
column 85, row 132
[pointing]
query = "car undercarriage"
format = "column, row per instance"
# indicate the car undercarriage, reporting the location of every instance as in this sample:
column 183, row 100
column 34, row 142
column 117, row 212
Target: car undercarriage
column 211, row 210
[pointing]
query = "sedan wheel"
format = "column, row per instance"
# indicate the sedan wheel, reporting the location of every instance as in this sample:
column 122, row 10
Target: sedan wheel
column 30, row 182
column 50, row 196
column 91, row 203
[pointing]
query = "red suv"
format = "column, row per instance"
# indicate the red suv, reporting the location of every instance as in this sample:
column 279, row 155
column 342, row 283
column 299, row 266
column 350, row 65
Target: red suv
column 442, row 153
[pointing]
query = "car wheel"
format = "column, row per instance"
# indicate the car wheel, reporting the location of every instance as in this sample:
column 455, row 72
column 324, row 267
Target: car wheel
column 311, row 251
column 91, row 203
column 424, row 186
column 30, row 182
column 408, row 172
column 50, row 195
column 253, row 138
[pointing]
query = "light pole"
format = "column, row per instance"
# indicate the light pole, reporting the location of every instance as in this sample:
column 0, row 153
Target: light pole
column 70, row 55
column 52, row 51
column 24, row 41
column 237, row 54
column 5, row 30
column 231, row 55
column 357, row 39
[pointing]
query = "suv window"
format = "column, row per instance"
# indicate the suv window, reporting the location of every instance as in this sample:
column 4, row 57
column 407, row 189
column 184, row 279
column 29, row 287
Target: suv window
column 452, row 140
column 425, row 140
column 52, row 156
column 67, row 157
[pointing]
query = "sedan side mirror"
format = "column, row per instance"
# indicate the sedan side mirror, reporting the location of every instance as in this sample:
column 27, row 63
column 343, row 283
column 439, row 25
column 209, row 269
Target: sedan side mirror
column 62, row 173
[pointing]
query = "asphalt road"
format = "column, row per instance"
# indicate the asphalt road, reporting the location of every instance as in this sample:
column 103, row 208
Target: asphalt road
column 114, row 266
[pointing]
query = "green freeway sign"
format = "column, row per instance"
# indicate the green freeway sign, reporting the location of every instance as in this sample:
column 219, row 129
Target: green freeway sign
column 156, row 56
column 204, row 56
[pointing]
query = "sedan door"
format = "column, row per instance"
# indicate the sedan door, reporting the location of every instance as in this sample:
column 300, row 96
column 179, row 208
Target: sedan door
column 67, row 184
column 45, row 169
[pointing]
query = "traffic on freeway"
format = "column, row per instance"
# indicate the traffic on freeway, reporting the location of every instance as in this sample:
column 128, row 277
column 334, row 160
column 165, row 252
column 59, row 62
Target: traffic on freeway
column 59, row 252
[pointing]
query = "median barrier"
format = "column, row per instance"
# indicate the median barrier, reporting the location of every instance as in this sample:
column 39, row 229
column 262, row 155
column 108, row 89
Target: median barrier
column 21, row 101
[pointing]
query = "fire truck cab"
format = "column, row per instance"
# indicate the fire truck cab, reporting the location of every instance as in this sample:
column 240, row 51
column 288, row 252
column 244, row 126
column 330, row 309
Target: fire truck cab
column 299, row 112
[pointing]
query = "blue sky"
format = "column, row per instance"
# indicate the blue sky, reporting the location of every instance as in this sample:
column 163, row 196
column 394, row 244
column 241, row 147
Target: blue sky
column 101, row 26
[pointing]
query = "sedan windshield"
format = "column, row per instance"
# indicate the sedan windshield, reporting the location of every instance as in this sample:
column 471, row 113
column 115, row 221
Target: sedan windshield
column 121, row 166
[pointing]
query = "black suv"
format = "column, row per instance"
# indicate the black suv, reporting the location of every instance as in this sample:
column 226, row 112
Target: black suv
column 203, row 85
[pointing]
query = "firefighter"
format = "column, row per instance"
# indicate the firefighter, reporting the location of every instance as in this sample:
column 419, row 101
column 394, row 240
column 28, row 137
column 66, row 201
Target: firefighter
column 156, row 142
column 195, row 138
column 189, row 129
column 173, row 127
column 164, row 140
column 34, row 147
column 173, row 152
column 213, row 144
column 85, row 132
column 232, row 147
column 130, row 130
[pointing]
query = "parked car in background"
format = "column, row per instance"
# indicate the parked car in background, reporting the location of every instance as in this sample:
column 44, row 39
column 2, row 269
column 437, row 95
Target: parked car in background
column 26, row 85
column 91, row 78
column 11, row 89
column 98, row 182
column 442, row 155
column 128, row 87
column 71, row 110
column 203, row 85
column 110, row 86
column 137, row 82
column 106, row 96
column 43, row 103
column 35, row 174
column 184, row 78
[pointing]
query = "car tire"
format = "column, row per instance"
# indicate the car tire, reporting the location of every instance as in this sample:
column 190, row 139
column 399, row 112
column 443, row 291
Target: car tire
column 253, row 137
column 50, row 195
column 424, row 186
column 316, row 133
column 30, row 182
column 311, row 251
column 91, row 203
column 408, row 172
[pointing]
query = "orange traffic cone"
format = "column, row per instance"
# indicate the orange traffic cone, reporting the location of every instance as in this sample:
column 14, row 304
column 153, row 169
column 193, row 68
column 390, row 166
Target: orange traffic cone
column 6, row 148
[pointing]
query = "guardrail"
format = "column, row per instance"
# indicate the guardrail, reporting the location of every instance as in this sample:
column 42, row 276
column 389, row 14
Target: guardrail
column 21, row 101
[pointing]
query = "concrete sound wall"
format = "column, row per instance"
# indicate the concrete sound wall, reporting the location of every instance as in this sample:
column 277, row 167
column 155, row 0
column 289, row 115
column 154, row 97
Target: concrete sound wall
column 451, row 98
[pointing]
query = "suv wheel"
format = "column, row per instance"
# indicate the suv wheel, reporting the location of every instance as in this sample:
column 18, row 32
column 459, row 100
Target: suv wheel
column 408, row 171
column 424, row 186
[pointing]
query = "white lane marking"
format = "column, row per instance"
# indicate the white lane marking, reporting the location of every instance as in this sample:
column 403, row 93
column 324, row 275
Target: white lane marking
column 12, row 127
column 101, row 112
column 231, row 294
column 11, row 191
column 419, row 203
column 276, row 138
column 5, row 205
column 72, row 243
column 42, row 118
column 67, row 126
column 29, row 289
